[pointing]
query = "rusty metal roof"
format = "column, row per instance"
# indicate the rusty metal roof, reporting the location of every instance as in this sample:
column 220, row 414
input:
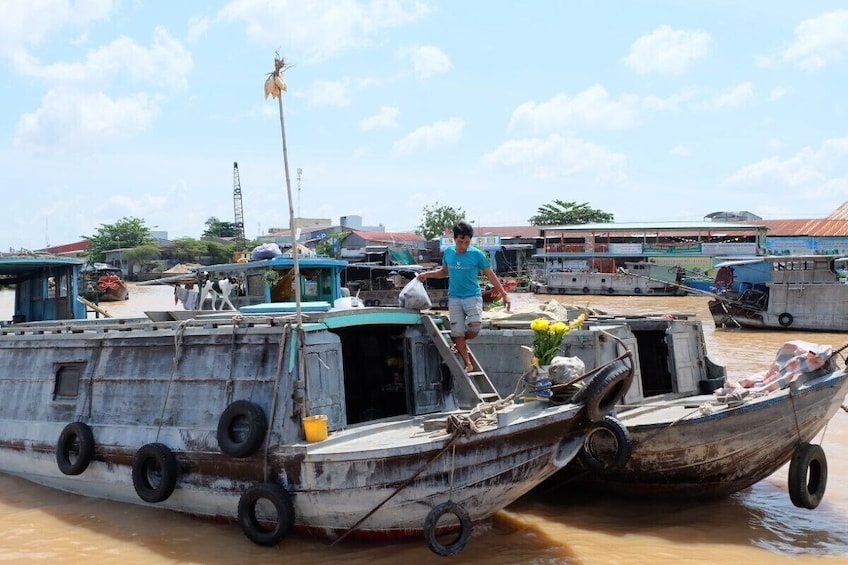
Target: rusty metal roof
column 827, row 227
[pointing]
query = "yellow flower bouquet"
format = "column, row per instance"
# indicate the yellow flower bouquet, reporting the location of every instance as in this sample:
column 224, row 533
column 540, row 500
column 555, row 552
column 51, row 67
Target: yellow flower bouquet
column 548, row 337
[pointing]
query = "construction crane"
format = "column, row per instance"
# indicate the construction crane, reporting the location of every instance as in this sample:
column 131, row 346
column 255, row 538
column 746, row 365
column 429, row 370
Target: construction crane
column 239, row 211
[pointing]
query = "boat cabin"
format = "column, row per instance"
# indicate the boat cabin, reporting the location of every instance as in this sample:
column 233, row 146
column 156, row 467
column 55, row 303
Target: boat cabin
column 46, row 287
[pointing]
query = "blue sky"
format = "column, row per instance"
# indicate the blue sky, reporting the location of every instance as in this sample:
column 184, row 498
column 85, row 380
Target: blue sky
column 651, row 110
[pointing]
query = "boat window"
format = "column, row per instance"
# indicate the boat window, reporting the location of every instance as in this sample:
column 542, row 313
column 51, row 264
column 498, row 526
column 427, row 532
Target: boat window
column 67, row 381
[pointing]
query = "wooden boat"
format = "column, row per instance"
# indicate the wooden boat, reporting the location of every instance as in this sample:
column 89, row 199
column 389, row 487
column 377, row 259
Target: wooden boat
column 45, row 286
column 357, row 421
column 491, row 294
column 102, row 282
column 640, row 278
column 682, row 431
column 781, row 292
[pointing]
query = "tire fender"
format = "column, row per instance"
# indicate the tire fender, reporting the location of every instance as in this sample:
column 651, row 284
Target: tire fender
column 241, row 429
column 785, row 319
column 807, row 476
column 585, row 290
column 607, row 389
column 431, row 528
column 154, row 472
column 607, row 446
column 258, row 529
column 638, row 290
column 75, row 448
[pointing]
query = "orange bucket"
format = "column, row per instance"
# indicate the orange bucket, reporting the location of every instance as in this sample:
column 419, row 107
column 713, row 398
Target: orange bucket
column 315, row 427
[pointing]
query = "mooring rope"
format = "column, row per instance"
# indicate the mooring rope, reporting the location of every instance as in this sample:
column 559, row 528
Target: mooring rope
column 462, row 425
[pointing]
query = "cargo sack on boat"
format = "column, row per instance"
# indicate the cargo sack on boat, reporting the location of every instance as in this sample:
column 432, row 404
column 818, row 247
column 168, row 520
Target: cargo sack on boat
column 414, row 295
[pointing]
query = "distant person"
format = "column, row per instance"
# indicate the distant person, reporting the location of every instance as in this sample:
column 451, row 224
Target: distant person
column 462, row 264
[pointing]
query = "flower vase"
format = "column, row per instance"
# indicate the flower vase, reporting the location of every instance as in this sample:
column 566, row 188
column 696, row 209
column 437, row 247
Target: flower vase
column 543, row 382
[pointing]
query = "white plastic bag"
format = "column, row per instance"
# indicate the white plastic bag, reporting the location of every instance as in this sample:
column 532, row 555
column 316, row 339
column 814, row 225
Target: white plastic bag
column 414, row 295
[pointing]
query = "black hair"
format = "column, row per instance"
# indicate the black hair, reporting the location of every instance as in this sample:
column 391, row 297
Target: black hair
column 463, row 228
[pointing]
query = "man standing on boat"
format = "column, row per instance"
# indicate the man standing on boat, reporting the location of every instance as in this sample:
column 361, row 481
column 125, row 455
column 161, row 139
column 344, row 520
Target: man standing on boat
column 462, row 264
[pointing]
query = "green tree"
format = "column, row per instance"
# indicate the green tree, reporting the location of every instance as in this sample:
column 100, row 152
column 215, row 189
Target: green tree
column 123, row 234
column 220, row 252
column 217, row 228
column 436, row 218
column 561, row 213
column 189, row 250
column 326, row 246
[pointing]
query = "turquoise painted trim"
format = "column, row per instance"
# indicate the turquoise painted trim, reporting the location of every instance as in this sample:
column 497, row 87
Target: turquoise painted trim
column 379, row 317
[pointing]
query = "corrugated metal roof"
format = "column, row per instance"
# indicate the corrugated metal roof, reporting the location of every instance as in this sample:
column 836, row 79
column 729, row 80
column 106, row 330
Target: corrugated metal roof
column 816, row 228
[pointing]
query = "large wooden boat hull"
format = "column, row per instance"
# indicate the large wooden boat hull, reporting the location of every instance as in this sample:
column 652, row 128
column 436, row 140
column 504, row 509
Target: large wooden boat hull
column 605, row 283
column 137, row 383
column 825, row 316
column 678, row 451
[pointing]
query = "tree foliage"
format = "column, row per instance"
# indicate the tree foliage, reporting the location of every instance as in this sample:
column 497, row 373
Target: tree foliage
column 217, row 228
column 436, row 218
column 188, row 249
column 331, row 246
column 561, row 213
column 123, row 234
column 220, row 252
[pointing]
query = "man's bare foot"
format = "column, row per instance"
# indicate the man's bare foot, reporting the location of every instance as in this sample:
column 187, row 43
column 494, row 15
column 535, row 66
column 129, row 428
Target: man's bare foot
column 469, row 368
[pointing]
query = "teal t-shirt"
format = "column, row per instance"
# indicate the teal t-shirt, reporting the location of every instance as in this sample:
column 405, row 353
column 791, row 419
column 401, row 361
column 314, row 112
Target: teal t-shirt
column 463, row 270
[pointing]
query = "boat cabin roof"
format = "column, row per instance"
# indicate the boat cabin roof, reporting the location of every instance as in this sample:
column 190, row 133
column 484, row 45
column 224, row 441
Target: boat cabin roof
column 17, row 268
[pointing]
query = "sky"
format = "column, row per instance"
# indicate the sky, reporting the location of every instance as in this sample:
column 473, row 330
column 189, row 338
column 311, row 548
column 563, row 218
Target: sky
column 656, row 110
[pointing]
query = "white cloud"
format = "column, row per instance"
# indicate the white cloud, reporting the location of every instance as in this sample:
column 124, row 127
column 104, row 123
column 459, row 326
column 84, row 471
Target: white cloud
column 334, row 93
column 427, row 138
column 809, row 167
column 680, row 151
column 77, row 120
column 25, row 24
column 667, row 51
column 385, row 118
column 319, row 29
column 777, row 93
column 197, row 27
column 591, row 108
column 427, row 61
column 819, row 41
column 730, row 98
column 165, row 63
column 558, row 156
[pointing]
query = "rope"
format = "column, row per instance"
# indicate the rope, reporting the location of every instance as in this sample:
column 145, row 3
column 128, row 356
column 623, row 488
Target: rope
column 457, row 433
column 284, row 337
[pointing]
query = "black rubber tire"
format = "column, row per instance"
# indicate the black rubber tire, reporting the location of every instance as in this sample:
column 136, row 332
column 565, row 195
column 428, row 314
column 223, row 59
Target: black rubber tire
column 638, row 290
column 585, row 290
column 154, row 472
column 431, row 524
column 241, row 429
column 376, row 302
column 253, row 527
column 807, row 476
column 610, row 290
column 75, row 448
column 785, row 319
column 594, row 457
column 606, row 389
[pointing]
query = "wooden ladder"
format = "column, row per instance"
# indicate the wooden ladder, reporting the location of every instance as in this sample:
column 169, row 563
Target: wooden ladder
column 474, row 385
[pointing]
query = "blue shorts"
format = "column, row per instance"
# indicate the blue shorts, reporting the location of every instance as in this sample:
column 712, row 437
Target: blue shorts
column 463, row 312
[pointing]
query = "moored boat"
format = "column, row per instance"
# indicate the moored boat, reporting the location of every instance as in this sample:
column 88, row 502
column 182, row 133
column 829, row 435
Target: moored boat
column 640, row 278
column 796, row 292
column 102, row 282
column 684, row 431
column 355, row 421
